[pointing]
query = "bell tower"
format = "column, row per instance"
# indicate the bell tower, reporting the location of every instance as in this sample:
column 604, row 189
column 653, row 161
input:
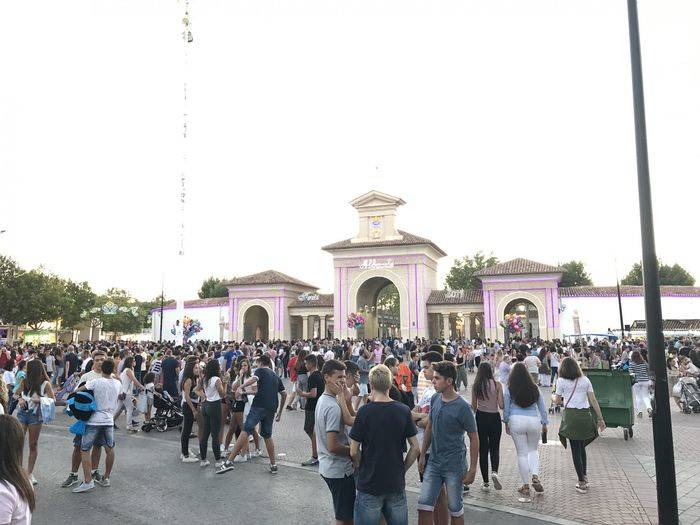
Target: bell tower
column 376, row 217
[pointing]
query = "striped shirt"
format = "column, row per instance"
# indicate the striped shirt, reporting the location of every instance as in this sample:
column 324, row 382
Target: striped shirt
column 640, row 371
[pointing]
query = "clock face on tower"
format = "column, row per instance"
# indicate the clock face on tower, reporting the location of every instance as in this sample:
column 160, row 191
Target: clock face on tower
column 375, row 228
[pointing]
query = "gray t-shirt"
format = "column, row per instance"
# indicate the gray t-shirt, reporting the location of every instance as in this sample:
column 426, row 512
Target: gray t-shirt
column 329, row 419
column 364, row 366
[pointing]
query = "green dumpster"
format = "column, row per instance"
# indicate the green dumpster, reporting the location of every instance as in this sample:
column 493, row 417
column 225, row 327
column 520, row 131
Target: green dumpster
column 613, row 389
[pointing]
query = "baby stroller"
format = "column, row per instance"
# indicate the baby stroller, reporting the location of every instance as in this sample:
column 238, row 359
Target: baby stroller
column 168, row 413
column 690, row 397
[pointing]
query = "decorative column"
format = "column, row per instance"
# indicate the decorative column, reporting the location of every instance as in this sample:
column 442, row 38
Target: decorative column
column 467, row 326
column 446, row 326
column 304, row 327
column 323, row 326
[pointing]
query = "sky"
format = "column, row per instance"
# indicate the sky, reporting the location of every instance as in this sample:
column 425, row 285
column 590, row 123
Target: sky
column 506, row 126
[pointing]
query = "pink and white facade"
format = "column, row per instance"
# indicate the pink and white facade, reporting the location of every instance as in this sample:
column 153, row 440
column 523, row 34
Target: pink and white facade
column 272, row 305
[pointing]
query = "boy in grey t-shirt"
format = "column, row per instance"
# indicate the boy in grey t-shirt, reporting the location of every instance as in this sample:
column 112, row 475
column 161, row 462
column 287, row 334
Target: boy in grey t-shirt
column 334, row 463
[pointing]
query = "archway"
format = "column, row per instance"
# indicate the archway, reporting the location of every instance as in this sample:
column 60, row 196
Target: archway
column 529, row 315
column 378, row 300
column 255, row 324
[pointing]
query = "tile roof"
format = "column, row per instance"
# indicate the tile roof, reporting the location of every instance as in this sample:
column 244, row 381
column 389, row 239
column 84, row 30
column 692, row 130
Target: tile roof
column 324, row 300
column 468, row 296
column 209, row 301
column 518, row 266
column 267, row 277
column 627, row 291
column 671, row 324
column 408, row 240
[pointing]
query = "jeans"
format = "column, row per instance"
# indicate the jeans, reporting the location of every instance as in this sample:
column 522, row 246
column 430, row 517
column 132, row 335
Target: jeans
column 433, row 480
column 211, row 413
column 525, row 431
column 555, row 372
column 369, row 508
column 302, row 381
column 578, row 452
column 489, row 428
column 642, row 400
column 187, row 422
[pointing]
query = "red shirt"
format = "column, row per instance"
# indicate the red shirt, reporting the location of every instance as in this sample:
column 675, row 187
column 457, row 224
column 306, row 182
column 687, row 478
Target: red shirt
column 291, row 369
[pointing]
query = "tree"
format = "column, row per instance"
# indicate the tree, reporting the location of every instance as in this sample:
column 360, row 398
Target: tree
column 668, row 275
column 212, row 287
column 82, row 298
column 32, row 298
column 147, row 306
column 575, row 274
column 9, row 272
column 461, row 274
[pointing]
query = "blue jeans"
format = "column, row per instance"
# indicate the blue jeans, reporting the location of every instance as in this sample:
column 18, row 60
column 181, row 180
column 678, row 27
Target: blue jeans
column 369, row 508
column 433, row 479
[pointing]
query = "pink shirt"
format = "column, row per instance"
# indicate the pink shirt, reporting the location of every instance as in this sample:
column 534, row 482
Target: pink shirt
column 13, row 509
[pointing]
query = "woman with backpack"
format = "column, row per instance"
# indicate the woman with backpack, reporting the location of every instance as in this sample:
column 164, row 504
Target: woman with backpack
column 30, row 390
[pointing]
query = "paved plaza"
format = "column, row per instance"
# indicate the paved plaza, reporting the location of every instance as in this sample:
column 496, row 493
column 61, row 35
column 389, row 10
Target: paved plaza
column 159, row 487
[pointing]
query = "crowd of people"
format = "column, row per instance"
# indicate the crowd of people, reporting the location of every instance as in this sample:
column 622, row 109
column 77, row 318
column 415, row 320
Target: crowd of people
column 371, row 409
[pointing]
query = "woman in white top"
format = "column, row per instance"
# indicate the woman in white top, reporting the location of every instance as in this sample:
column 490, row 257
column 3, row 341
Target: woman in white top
column 577, row 425
column 31, row 389
column 16, row 492
column 129, row 382
column 212, row 389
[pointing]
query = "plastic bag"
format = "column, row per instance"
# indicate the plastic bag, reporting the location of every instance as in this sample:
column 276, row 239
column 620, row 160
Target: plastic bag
column 48, row 409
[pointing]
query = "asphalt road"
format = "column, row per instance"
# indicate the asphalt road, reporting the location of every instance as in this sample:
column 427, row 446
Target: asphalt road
column 150, row 485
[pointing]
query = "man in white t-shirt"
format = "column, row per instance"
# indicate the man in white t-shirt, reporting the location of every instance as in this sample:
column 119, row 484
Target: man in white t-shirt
column 532, row 362
column 99, row 430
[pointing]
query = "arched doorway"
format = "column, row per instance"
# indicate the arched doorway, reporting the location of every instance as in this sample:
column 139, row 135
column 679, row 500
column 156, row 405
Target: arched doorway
column 378, row 301
column 255, row 324
column 529, row 316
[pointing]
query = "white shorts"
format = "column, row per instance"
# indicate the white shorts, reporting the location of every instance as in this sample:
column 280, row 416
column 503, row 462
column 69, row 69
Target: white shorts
column 364, row 391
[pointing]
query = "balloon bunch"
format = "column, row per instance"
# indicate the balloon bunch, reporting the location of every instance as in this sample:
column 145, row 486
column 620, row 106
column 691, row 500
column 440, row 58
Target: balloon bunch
column 190, row 327
column 513, row 323
column 355, row 321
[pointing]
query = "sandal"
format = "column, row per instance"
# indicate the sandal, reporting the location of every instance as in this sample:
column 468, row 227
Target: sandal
column 537, row 485
column 524, row 491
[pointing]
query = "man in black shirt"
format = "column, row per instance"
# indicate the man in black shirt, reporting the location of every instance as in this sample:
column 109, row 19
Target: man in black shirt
column 169, row 369
column 315, row 387
column 381, row 428
column 72, row 363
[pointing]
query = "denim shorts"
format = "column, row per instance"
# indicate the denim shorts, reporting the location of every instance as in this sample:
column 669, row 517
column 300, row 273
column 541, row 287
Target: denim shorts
column 97, row 436
column 433, row 479
column 29, row 417
column 264, row 417
column 393, row 506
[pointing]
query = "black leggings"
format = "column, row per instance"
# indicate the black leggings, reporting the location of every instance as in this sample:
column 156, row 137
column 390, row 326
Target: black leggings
column 187, row 422
column 488, row 426
column 211, row 414
column 578, row 452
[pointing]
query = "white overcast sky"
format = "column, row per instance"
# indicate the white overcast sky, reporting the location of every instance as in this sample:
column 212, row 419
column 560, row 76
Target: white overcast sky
column 506, row 126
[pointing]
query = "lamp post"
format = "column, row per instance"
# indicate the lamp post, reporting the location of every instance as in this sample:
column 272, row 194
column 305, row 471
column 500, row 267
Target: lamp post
column 667, row 500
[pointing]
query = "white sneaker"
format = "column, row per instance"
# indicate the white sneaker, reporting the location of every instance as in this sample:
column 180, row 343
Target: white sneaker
column 257, row 453
column 218, row 464
column 84, row 487
column 496, row 481
column 204, row 463
column 485, row 487
column 222, row 448
column 188, row 459
column 33, row 479
column 240, row 459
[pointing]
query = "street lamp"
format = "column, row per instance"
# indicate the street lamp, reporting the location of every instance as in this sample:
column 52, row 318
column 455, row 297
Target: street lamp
column 666, row 495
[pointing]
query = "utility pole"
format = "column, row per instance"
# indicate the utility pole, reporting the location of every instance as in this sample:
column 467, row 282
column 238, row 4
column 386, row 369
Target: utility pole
column 666, row 495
